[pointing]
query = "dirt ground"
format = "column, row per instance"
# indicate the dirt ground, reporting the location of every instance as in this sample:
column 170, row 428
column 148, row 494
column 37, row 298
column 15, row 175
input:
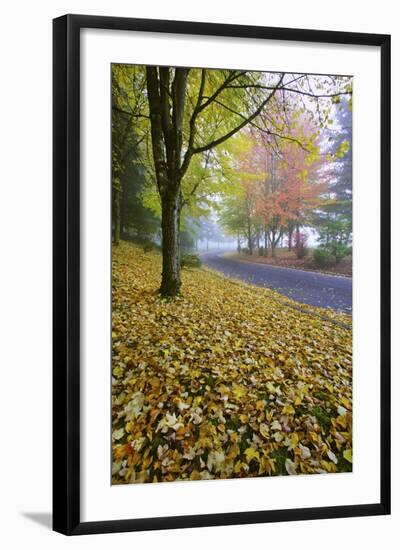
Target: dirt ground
column 284, row 258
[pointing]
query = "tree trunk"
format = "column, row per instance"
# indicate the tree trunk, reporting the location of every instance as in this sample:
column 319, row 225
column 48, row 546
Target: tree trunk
column 249, row 236
column 290, row 236
column 116, row 213
column 265, row 241
column 298, row 235
column 273, row 245
column 170, row 282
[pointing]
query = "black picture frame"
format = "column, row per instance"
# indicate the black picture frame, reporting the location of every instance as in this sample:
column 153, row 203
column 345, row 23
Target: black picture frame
column 66, row 273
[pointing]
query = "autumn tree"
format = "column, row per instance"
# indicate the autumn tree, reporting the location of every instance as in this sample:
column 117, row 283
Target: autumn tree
column 333, row 218
column 185, row 108
column 279, row 184
column 182, row 115
column 128, row 133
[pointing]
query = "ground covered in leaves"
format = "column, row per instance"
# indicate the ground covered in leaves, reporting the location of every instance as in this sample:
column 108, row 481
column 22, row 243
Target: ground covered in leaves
column 223, row 382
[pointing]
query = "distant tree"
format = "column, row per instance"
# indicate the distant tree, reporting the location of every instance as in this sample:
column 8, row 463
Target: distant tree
column 279, row 185
column 334, row 217
column 129, row 215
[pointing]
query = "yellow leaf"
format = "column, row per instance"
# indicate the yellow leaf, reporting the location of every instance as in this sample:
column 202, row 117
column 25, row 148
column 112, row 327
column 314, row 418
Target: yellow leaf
column 345, row 402
column 342, row 421
column 288, row 409
column 117, row 372
column 347, row 454
column 252, row 453
column 294, row 439
column 314, row 437
column 197, row 401
column 129, row 427
column 264, row 430
column 154, row 382
column 239, row 391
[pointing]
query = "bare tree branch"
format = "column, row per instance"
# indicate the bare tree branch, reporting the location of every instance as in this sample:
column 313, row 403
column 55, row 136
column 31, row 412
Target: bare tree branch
column 264, row 130
column 246, row 121
column 128, row 113
column 283, row 88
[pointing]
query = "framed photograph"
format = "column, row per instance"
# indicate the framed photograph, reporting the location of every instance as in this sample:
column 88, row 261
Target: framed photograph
column 221, row 274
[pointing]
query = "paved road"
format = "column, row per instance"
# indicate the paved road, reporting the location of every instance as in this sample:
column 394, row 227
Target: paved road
column 307, row 287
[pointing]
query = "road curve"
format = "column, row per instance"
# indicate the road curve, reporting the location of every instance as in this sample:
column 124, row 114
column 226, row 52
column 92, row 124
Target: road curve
column 306, row 287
